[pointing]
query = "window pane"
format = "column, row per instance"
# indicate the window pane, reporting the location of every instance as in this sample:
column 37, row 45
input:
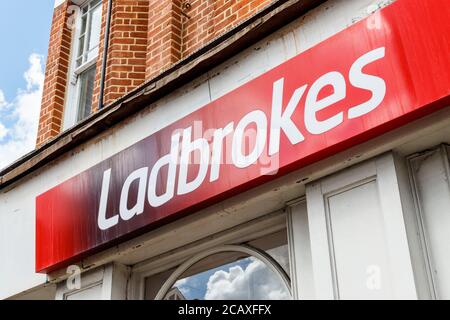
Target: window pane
column 87, row 79
column 236, row 275
column 275, row 246
column 92, row 54
column 89, row 39
column 230, row 276
column 281, row 255
column 80, row 49
column 93, row 3
column 83, row 24
column 94, row 37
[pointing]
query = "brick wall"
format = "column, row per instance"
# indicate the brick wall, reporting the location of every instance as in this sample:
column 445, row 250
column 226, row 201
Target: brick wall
column 164, row 36
column 147, row 37
column 205, row 20
column 126, row 65
column 55, row 84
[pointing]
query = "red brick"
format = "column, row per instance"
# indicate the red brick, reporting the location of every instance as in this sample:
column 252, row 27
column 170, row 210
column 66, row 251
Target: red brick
column 147, row 37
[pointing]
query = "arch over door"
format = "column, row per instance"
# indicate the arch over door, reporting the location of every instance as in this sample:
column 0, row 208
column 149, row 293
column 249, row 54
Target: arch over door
column 245, row 259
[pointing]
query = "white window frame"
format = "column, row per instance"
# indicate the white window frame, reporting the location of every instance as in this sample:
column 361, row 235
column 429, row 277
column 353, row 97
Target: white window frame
column 248, row 231
column 269, row 262
column 72, row 101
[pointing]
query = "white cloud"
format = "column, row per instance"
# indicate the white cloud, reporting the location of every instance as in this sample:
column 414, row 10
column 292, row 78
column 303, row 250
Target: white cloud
column 255, row 282
column 182, row 286
column 3, row 102
column 181, row 282
column 3, row 131
column 34, row 75
column 20, row 136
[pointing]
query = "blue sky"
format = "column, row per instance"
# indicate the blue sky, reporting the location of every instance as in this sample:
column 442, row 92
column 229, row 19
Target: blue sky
column 246, row 278
column 196, row 287
column 31, row 22
column 24, row 32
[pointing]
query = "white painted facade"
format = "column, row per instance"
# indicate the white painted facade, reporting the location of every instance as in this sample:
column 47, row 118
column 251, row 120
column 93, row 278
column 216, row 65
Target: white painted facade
column 403, row 234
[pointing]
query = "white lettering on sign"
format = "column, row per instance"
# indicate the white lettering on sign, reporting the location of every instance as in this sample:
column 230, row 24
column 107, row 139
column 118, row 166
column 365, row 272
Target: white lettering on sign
column 249, row 139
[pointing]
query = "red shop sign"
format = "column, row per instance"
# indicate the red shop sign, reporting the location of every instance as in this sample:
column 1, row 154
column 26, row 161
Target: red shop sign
column 376, row 75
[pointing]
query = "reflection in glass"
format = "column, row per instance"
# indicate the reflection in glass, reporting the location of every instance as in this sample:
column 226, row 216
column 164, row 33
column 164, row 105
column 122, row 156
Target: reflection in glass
column 89, row 37
column 86, row 93
column 94, row 38
column 232, row 276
